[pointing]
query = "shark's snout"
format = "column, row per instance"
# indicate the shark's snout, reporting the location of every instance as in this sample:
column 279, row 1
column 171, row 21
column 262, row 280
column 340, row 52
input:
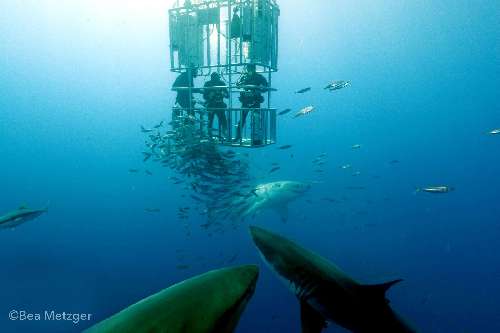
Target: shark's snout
column 247, row 274
column 259, row 236
column 266, row 242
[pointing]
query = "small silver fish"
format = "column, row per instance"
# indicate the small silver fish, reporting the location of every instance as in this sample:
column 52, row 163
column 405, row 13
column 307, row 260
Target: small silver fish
column 436, row 189
column 304, row 111
column 336, row 85
column 494, row 132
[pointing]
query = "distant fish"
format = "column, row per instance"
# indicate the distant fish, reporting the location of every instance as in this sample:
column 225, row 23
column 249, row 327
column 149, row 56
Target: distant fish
column 159, row 125
column 182, row 267
column 435, row 189
column 282, row 112
column 356, row 173
column 394, row 162
column 356, row 146
column 149, row 173
column 304, row 111
column 146, row 155
column 285, row 147
column 304, row 90
column 19, row 216
column 152, row 210
column 494, row 132
column 133, row 170
column 146, row 130
column 274, row 169
column 336, row 85
column 346, row 166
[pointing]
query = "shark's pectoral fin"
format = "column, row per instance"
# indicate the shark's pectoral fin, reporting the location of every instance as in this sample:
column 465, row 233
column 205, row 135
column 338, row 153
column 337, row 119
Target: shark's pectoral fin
column 283, row 212
column 377, row 291
column 311, row 320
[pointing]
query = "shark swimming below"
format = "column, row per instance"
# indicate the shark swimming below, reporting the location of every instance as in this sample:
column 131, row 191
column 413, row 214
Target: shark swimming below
column 275, row 195
column 326, row 294
column 19, row 216
column 209, row 303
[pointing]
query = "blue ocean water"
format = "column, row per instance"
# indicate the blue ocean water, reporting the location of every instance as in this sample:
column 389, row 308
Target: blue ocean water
column 77, row 79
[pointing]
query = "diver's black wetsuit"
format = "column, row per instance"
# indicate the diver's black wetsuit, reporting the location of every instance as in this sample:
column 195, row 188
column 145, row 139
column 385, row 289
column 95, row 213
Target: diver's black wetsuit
column 184, row 97
column 215, row 103
column 250, row 98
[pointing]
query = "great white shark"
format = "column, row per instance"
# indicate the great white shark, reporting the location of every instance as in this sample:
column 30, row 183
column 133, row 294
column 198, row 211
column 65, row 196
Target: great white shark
column 209, row 303
column 326, row 293
column 19, row 216
column 275, row 196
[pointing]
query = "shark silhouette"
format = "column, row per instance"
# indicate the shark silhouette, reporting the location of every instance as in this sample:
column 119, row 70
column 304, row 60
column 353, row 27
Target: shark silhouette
column 275, row 196
column 19, row 216
column 326, row 294
column 209, row 303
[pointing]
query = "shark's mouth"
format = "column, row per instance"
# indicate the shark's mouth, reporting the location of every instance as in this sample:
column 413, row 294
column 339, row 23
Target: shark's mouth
column 302, row 285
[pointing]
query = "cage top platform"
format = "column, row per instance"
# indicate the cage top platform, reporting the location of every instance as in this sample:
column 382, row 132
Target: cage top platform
column 185, row 4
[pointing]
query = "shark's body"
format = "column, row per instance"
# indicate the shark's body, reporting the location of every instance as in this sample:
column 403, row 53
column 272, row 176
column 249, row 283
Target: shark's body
column 209, row 303
column 19, row 216
column 325, row 292
column 275, row 195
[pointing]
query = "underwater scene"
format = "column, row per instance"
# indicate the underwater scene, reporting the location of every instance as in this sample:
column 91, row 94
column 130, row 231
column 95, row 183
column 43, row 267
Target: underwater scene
column 249, row 166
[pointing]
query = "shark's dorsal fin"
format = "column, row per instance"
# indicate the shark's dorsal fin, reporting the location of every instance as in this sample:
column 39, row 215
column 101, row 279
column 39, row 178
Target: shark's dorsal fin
column 377, row 291
column 23, row 206
column 311, row 320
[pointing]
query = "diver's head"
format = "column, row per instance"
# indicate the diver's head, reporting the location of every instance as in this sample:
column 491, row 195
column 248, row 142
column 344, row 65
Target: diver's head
column 251, row 69
column 193, row 69
column 215, row 76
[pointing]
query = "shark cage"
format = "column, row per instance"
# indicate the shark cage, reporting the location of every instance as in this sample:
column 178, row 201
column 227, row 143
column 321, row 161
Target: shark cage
column 238, row 41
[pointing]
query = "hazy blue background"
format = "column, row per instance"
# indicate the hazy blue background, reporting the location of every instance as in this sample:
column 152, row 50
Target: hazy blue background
column 77, row 79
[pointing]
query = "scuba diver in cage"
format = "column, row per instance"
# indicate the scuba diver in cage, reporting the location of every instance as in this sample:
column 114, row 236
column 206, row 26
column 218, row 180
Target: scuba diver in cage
column 214, row 94
column 252, row 84
column 184, row 87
